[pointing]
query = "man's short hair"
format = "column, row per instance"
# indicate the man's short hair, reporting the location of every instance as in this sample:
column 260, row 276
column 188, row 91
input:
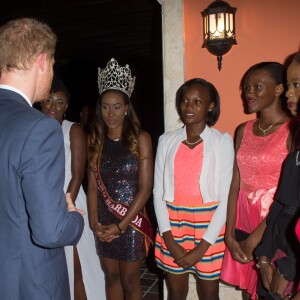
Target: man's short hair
column 22, row 40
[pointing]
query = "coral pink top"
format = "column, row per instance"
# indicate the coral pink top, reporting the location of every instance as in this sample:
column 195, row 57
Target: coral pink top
column 259, row 160
column 188, row 166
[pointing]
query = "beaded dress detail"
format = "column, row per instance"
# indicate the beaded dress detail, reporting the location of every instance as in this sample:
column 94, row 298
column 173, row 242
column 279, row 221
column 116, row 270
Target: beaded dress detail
column 259, row 161
column 119, row 171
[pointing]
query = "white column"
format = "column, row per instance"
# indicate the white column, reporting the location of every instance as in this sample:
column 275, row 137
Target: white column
column 173, row 58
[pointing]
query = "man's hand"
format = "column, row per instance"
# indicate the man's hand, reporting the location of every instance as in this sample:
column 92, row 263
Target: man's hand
column 71, row 206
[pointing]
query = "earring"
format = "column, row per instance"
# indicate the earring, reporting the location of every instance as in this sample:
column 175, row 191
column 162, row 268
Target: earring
column 277, row 92
column 125, row 113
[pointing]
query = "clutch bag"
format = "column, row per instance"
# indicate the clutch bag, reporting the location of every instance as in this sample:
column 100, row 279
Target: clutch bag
column 272, row 296
column 241, row 235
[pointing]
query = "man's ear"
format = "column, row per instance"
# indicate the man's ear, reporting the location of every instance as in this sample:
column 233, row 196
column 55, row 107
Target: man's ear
column 41, row 61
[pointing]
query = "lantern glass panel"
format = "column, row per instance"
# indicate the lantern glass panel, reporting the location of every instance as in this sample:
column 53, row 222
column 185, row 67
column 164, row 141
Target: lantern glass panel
column 220, row 22
column 212, row 25
column 231, row 23
column 206, row 27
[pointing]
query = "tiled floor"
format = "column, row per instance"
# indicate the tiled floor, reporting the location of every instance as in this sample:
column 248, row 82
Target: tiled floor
column 152, row 281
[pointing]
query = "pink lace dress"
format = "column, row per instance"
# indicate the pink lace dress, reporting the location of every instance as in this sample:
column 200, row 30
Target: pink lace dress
column 259, row 160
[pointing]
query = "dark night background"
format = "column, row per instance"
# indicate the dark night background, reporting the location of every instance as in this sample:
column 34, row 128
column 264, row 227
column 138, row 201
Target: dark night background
column 90, row 32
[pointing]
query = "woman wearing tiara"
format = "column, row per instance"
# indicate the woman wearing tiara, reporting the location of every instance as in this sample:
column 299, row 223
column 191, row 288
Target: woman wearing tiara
column 119, row 184
column 262, row 145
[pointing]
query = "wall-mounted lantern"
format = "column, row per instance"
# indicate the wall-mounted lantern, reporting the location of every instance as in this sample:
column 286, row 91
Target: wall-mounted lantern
column 219, row 29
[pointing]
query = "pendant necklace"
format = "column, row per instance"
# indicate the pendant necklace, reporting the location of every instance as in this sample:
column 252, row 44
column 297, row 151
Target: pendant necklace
column 114, row 140
column 194, row 143
column 267, row 129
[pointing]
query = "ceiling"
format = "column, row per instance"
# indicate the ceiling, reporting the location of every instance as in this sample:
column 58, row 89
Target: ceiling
column 96, row 30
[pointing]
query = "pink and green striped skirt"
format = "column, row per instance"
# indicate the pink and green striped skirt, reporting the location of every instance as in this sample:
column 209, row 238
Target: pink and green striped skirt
column 188, row 224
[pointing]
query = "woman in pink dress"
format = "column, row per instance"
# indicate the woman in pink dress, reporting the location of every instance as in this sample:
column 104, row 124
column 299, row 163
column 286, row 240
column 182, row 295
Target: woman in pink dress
column 261, row 147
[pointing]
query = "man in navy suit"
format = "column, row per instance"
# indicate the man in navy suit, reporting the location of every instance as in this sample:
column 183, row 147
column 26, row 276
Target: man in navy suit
column 36, row 219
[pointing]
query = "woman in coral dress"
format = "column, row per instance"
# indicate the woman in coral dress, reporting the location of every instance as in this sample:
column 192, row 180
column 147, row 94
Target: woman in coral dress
column 262, row 146
column 193, row 171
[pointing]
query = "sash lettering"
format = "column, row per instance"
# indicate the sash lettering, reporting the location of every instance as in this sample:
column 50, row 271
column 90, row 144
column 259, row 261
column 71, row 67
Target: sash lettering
column 140, row 223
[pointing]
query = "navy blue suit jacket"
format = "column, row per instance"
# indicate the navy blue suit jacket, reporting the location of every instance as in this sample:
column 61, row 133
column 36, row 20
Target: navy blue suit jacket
column 34, row 222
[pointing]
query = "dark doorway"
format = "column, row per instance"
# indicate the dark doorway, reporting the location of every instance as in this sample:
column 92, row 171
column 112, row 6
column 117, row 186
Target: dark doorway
column 90, row 32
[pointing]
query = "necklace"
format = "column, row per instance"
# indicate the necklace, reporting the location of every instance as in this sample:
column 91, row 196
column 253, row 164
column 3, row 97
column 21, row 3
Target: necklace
column 194, row 143
column 114, row 140
column 267, row 129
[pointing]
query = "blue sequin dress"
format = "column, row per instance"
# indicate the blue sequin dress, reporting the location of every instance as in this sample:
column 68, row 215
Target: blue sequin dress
column 119, row 170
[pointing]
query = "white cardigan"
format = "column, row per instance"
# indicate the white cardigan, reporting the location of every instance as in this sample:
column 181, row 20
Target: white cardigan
column 215, row 178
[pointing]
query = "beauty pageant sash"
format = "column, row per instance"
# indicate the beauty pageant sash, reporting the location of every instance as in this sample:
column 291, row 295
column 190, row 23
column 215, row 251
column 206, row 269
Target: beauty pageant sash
column 141, row 222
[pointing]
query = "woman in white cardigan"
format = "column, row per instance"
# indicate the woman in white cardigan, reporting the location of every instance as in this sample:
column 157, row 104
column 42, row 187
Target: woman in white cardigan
column 193, row 171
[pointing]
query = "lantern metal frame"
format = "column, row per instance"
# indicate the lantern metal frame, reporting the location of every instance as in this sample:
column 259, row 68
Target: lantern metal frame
column 219, row 29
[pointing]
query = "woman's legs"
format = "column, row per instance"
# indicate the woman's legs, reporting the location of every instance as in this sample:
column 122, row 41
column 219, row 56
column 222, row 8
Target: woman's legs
column 79, row 291
column 178, row 286
column 207, row 289
column 245, row 295
column 113, row 286
column 131, row 279
column 122, row 279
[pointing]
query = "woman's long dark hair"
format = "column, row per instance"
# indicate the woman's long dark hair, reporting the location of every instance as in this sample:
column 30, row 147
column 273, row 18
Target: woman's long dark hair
column 130, row 132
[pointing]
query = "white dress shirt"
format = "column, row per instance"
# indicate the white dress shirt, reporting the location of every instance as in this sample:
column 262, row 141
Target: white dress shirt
column 11, row 88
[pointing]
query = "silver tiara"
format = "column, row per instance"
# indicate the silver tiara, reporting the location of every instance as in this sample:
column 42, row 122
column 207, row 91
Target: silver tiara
column 115, row 77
